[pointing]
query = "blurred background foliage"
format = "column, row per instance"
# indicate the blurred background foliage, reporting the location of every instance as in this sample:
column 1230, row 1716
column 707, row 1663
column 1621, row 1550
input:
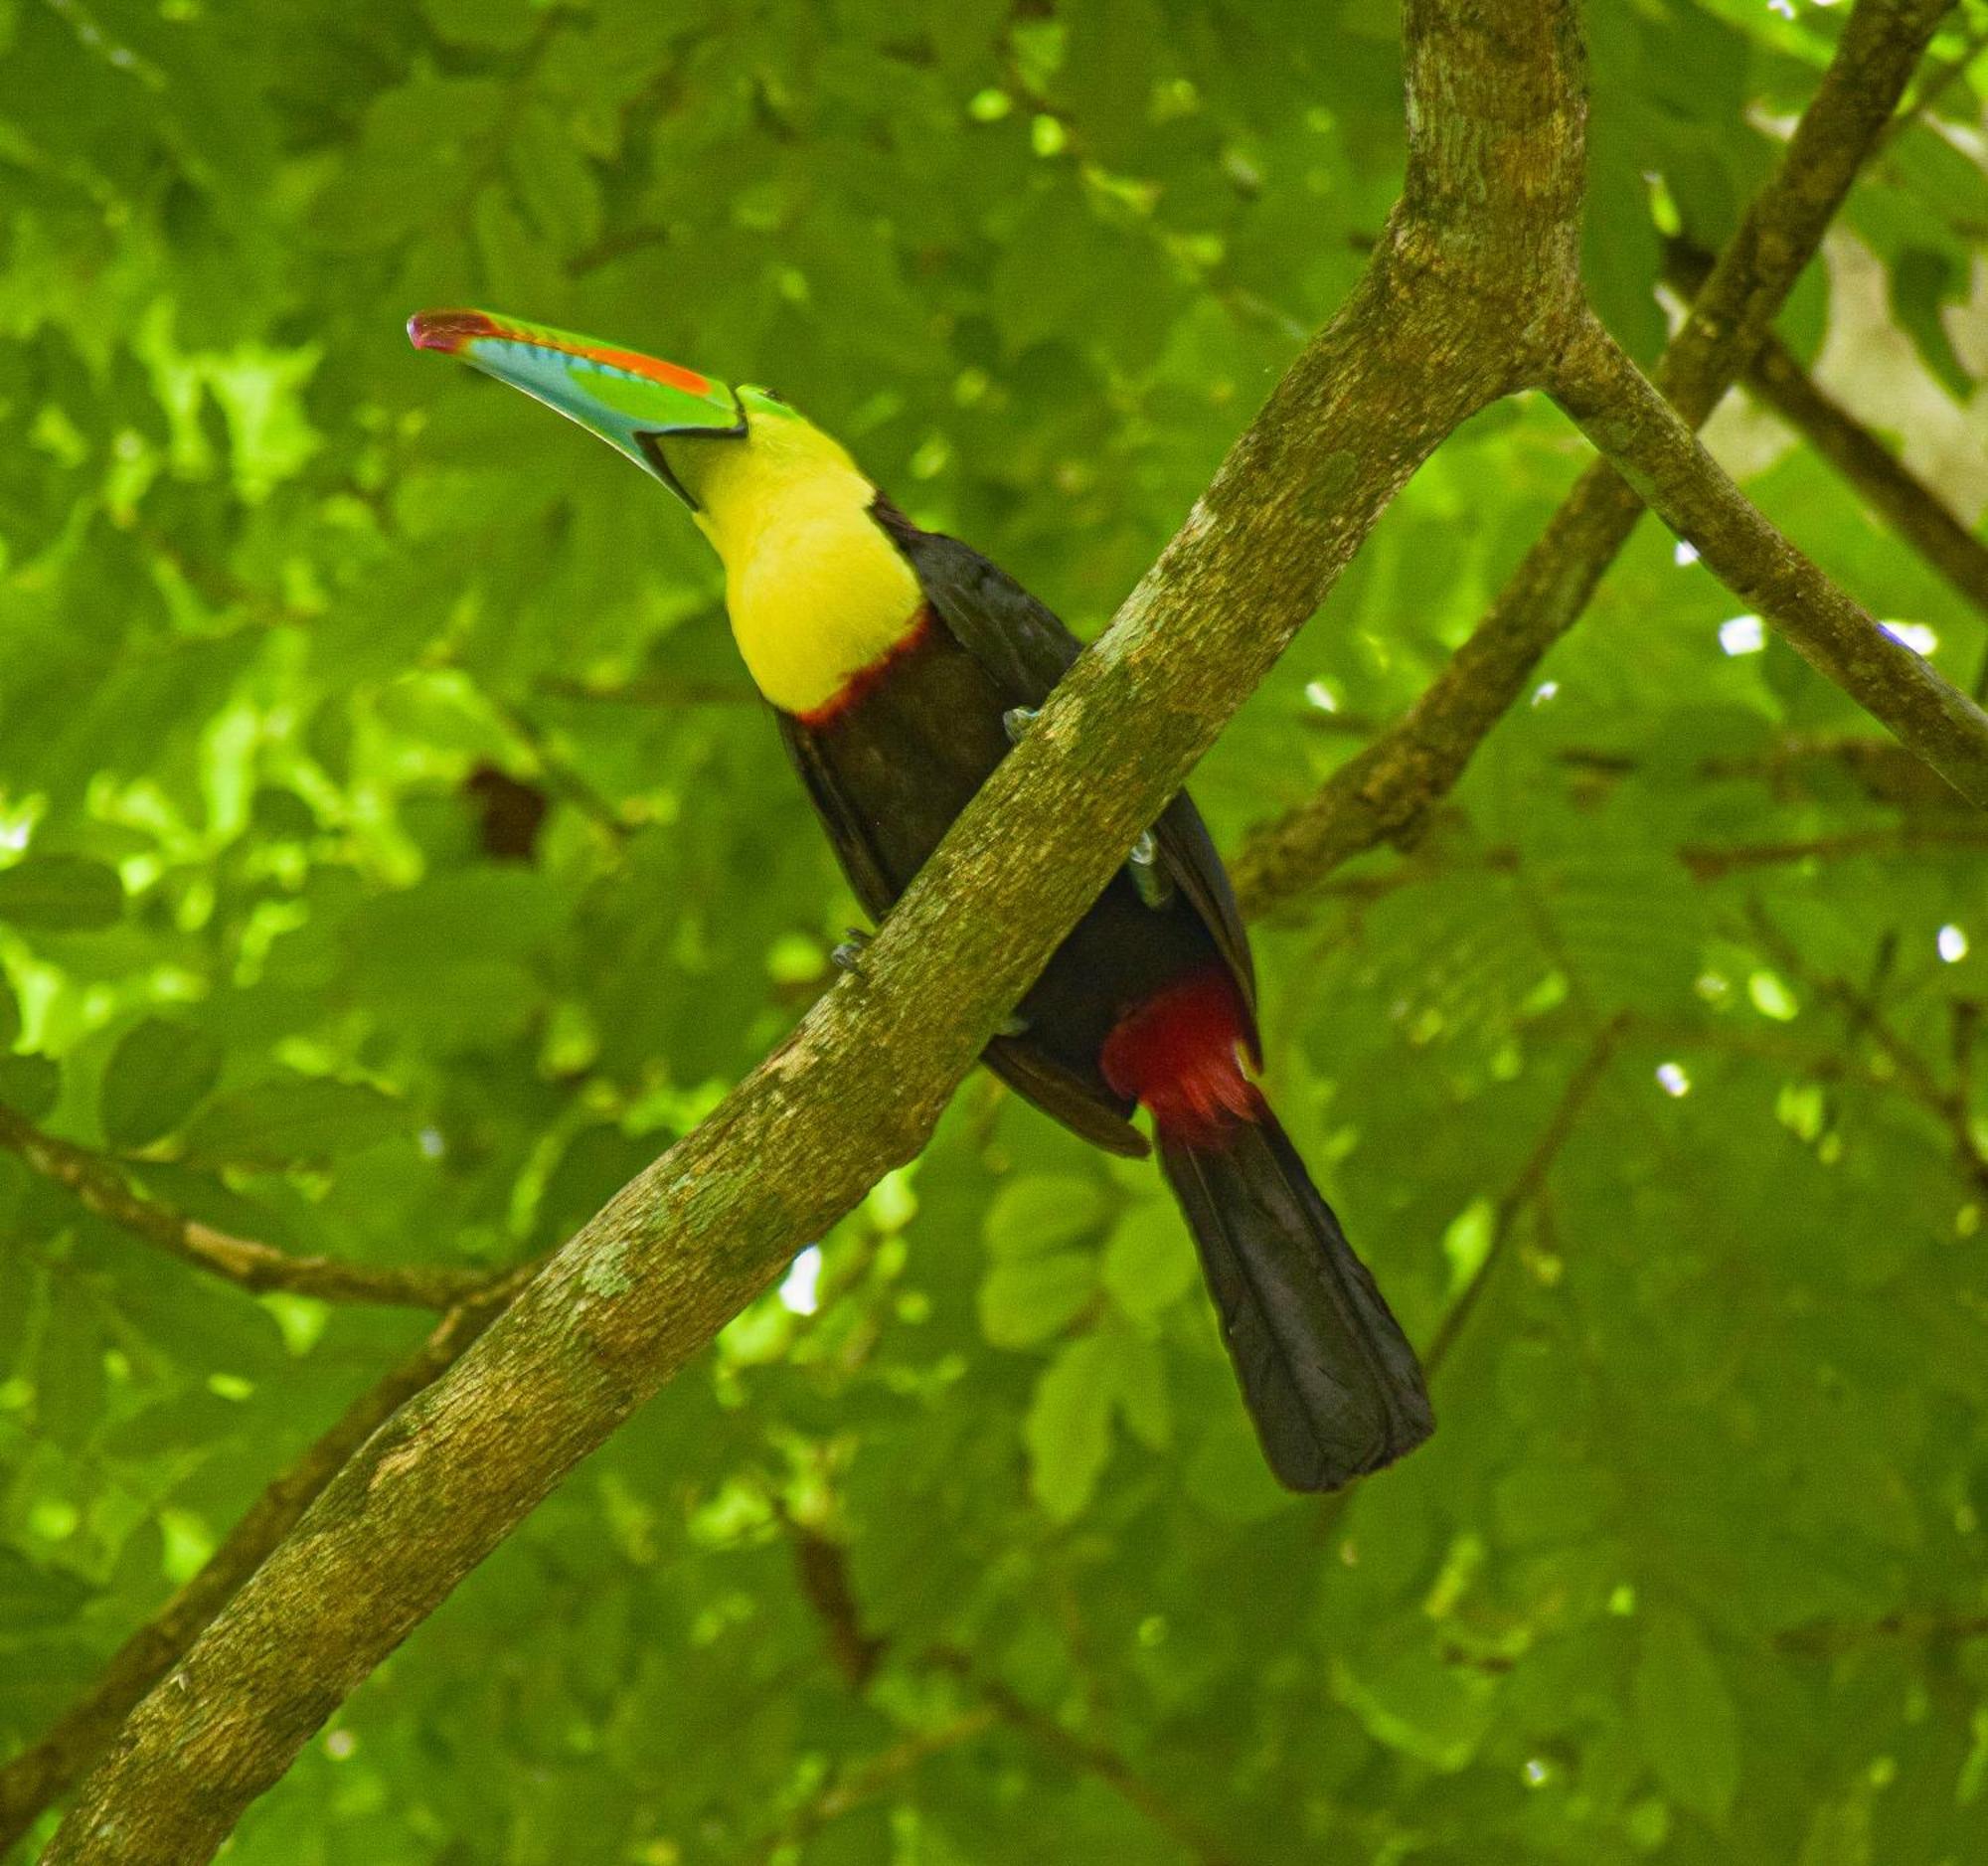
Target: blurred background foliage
column 396, row 861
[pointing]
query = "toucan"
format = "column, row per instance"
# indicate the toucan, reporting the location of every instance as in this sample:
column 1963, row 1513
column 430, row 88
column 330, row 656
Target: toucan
column 901, row 667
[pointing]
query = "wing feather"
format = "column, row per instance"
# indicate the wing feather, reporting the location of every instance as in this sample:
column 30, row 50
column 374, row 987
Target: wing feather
column 1027, row 651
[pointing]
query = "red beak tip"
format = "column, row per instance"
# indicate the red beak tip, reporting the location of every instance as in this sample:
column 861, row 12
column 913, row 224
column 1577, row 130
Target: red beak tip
column 448, row 331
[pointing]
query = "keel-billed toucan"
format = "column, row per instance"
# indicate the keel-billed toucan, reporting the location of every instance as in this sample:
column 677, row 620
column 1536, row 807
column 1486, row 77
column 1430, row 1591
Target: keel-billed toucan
column 900, row 666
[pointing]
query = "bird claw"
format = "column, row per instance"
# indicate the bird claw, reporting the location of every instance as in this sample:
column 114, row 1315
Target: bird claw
column 848, row 956
column 1154, row 884
column 1015, row 721
column 1013, row 1026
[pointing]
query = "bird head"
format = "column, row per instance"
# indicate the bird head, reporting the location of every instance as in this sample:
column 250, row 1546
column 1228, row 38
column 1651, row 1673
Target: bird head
column 814, row 589
column 716, row 447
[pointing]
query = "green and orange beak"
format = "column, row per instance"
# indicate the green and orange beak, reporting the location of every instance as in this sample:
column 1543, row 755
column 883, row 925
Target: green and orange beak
column 632, row 402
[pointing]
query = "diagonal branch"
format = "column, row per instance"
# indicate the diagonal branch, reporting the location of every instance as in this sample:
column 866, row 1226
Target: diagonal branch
column 40, row 1775
column 1650, row 444
column 102, row 1188
column 1887, row 484
column 1385, row 793
column 822, row 1571
column 1468, row 294
column 1913, row 508
column 1086, row 1756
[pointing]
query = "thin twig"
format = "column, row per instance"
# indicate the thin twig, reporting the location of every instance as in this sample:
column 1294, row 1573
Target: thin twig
column 1911, row 507
column 1914, row 509
column 1864, row 1015
column 1087, row 1757
column 1526, row 1188
column 1827, row 1637
column 855, row 1785
column 101, row 1186
column 1712, row 861
column 828, row 1588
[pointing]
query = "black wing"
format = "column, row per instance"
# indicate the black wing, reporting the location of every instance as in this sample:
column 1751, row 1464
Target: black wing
column 1079, row 1104
column 1028, row 651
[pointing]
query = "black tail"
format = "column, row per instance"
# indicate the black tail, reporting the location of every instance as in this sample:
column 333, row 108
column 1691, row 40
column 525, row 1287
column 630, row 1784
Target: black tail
column 1328, row 1376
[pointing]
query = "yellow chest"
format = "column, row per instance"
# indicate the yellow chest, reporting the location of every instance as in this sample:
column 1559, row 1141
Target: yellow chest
column 815, row 590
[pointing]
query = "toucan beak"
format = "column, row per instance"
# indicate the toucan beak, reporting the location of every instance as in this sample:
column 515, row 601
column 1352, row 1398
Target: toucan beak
column 630, row 401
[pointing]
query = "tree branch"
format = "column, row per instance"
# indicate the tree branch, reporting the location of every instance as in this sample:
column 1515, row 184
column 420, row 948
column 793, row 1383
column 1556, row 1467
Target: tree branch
column 101, row 1187
column 40, row 1775
column 1825, row 1638
column 822, row 1572
column 1890, row 487
column 1445, row 317
column 1714, row 861
column 1650, row 444
column 1386, row 793
column 858, row 1784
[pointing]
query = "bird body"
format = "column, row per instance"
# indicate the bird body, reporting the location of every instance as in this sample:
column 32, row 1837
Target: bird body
column 901, row 666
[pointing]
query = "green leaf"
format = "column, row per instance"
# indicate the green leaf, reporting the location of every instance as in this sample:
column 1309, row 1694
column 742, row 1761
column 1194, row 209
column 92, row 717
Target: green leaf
column 1412, row 1699
column 480, row 22
column 1042, row 1213
column 30, row 1084
column 1069, row 1429
column 61, row 893
column 1685, row 1715
column 19, row 1279
column 1140, row 1378
column 1149, row 1260
column 1030, row 1299
column 68, row 1372
column 294, row 1120
column 157, row 1075
column 33, row 1597
column 1924, row 283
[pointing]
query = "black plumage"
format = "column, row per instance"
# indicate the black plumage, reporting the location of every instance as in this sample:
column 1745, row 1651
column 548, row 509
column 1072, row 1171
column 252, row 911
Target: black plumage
column 1332, row 1384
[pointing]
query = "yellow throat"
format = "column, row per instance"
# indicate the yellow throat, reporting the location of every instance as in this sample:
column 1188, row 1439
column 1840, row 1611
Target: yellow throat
column 815, row 590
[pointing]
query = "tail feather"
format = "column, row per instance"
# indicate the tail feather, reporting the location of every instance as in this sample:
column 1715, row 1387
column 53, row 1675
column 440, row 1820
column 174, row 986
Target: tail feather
column 1328, row 1376
column 1330, row 1380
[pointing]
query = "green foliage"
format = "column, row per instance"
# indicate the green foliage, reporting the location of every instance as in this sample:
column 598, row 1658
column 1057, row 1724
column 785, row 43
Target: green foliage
column 392, row 868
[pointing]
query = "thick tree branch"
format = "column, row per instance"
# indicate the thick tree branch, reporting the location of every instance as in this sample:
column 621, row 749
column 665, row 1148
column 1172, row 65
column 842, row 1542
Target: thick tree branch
column 1890, row 488
column 101, row 1186
column 1445, row 318
column 1649, row 442
column 39, row 1776
column 1386, row 793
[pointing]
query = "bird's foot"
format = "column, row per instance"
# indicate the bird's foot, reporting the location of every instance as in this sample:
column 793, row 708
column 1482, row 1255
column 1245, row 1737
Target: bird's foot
column 1015, row 721
column 848, row 956
column 1154, row 884
column 1013, row 1025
